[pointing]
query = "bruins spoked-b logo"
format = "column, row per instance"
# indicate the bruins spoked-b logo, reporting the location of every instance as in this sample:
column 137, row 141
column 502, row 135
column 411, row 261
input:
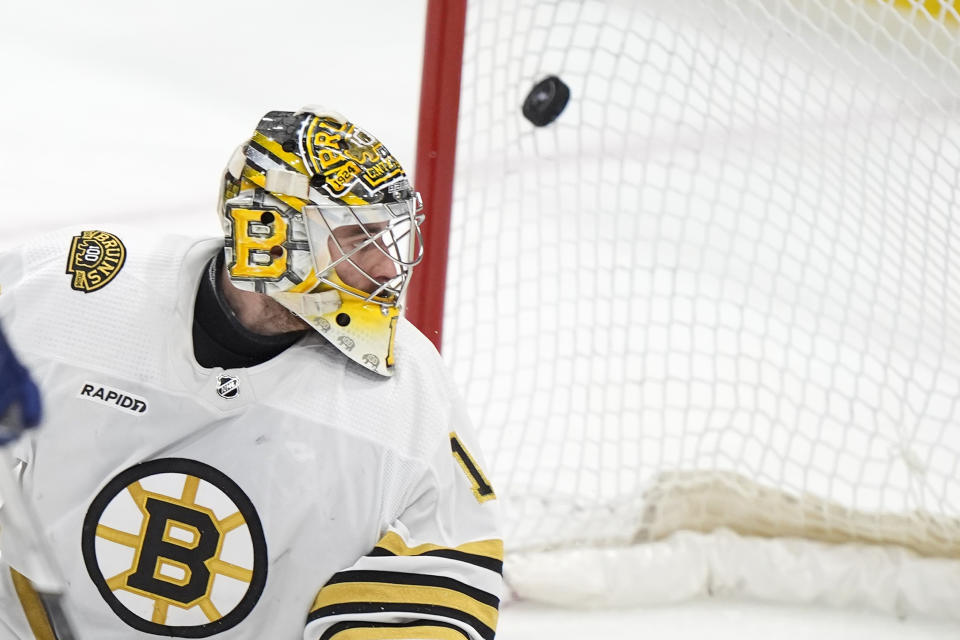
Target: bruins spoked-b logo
column 95, row 259
column 175, row 548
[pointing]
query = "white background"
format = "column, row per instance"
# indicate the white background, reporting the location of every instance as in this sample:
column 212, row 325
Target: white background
column 127, row 111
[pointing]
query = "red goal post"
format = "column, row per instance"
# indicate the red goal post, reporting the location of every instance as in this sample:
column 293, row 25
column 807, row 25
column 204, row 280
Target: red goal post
column 436, row 154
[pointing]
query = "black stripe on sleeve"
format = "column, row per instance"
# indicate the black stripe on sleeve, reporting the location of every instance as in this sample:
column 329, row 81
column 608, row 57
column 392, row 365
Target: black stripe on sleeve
column 346, row 626
column 418, row 579
column 363, row 608
column 485, row 562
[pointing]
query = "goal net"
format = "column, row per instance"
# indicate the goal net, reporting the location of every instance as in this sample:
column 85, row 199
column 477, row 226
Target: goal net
column 707, row 320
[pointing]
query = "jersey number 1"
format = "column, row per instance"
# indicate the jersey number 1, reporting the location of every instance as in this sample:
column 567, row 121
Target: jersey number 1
column 481, row 486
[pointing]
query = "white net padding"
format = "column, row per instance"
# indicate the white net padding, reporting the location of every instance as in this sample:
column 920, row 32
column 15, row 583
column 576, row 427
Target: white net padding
column 718, row 296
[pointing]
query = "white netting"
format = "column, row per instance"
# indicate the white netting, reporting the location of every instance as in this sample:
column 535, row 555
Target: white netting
column 730, row 262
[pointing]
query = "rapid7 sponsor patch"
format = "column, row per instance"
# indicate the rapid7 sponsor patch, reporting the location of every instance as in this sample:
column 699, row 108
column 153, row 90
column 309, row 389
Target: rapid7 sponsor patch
column 114, row 398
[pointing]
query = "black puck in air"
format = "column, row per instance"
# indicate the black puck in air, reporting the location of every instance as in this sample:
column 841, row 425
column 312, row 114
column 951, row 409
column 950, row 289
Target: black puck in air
column 546, row 101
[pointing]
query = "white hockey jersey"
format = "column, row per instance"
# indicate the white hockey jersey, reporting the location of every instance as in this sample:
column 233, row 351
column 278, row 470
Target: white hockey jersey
column 302, row 497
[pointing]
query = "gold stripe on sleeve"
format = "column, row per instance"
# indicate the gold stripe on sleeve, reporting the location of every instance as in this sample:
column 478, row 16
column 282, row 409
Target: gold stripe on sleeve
column 419, row 632
column 388, row 593
column 393, row 543
column 32, row 606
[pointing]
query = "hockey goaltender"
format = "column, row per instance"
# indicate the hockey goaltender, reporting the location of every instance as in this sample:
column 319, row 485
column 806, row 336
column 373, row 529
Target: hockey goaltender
column 241, row 437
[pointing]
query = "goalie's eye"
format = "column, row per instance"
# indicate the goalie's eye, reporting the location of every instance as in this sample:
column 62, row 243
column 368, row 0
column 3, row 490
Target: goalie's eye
column 352, row 242
column 354, row 236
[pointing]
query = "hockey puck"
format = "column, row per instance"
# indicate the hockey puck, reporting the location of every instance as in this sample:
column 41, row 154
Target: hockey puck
column 546, row 101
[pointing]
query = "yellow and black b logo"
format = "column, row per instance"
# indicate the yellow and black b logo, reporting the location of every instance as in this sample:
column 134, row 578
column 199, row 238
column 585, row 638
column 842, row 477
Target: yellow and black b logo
column 258, row 237
column 175, row 547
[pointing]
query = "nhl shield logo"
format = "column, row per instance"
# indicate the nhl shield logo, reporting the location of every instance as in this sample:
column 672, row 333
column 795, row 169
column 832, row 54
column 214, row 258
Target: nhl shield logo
column 228, row 386
column 95, row 259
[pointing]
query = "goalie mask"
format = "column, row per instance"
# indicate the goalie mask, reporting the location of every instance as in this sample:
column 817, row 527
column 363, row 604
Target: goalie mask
column 320, row 217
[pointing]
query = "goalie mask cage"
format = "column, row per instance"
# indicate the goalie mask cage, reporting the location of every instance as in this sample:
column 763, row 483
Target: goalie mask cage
column 707, row 320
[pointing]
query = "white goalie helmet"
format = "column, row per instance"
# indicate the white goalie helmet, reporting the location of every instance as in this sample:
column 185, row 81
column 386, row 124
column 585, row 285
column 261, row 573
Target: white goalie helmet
column 319, row 216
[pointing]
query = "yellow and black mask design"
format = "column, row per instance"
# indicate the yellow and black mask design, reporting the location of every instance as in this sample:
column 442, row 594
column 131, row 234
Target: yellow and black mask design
column 320, row 216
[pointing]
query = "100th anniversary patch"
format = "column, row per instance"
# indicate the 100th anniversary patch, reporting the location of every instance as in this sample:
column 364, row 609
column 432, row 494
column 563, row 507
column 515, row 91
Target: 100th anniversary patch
column 95, row 259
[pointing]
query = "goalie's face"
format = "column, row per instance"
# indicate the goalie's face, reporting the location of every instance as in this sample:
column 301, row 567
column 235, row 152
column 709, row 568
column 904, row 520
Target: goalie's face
column 362, row 262
column 366, row 251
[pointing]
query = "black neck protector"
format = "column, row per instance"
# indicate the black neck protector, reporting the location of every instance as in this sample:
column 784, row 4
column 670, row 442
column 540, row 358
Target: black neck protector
column 219, row 340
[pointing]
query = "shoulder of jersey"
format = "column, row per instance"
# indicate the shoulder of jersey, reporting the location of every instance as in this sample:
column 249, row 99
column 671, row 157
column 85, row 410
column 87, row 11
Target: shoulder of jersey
column 100, row 290
column 418, row 361
column 423, row 392
column 409, row 412
column 98, row 258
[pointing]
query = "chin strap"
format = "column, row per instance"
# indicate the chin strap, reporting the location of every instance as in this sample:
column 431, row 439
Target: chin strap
column 361, row 329
column 306, row 305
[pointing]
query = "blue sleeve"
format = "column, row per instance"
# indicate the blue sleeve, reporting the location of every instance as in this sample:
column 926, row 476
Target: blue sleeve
column 19, row 397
